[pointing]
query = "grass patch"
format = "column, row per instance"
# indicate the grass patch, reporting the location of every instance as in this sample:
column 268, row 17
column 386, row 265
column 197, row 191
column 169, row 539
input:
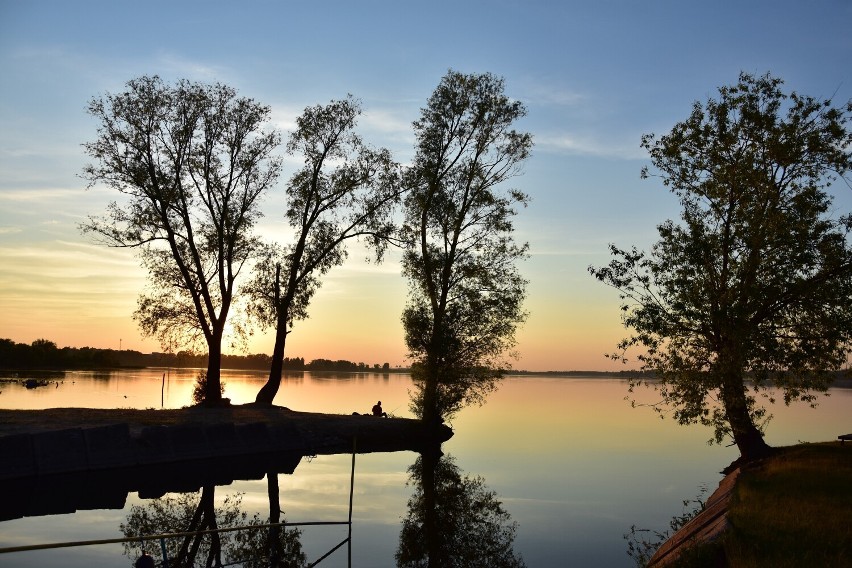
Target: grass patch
column 794, row 510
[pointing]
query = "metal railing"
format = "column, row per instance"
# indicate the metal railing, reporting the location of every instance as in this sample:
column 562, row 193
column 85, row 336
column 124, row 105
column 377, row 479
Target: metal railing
column 161, row 538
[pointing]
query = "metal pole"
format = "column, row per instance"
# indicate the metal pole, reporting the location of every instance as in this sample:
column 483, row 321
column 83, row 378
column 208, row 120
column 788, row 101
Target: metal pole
column 351, row 493
column 165, row 554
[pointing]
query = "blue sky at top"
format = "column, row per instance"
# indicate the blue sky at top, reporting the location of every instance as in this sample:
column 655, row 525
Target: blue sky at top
column 594, row 76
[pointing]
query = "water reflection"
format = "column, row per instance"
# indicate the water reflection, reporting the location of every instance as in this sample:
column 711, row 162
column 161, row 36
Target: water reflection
column 103, row 375
column 108, row 489
column 454, row 520
column 191, row 513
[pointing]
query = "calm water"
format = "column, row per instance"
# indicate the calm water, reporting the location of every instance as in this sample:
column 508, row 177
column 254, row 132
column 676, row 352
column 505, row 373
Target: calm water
column 572, row 463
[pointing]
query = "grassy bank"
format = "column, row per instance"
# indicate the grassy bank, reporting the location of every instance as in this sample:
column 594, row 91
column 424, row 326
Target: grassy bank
column 793, row 510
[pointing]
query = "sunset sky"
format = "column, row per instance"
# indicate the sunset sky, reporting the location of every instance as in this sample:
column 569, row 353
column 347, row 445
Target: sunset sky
column 594, row 77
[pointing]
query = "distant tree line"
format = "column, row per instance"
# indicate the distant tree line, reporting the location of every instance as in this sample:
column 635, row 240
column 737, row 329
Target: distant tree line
column 45, row 354
column 343, row 365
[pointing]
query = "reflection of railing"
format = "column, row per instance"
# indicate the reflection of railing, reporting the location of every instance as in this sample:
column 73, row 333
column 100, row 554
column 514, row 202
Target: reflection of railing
column 162, row 537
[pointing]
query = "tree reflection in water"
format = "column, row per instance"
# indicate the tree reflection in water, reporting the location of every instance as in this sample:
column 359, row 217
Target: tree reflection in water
column 454, row 520
column 185, row 512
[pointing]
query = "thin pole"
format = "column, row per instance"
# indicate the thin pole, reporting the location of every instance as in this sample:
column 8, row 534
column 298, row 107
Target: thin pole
column 165, row 554
column 351, row 493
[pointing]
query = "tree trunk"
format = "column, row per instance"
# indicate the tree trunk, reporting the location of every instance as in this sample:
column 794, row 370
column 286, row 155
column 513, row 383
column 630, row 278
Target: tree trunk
column 183, row 557
column 213, row 392
column 268, row 391
column 429, row 461
column 274, row 542
column 748, row 438
column 431, row 414
column 432, row 372
column 214, row 555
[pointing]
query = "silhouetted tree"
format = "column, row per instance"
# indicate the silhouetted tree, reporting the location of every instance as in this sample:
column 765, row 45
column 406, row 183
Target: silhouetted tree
column 345, row 190
column 189, row 512
column 465, row 293
column 191, row 162
column 454, row 521
column 754, row 286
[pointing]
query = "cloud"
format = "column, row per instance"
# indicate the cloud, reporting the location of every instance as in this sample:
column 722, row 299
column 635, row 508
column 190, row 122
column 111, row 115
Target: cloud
column 45, row 195
column 387, row 121
column 178, row 66
column 551, row 252
column 563, row 143
column 61, row 259
column 546, row 95
column 61, row 281
column 283, row 116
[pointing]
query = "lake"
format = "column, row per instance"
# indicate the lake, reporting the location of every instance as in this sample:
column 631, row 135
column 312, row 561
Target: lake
column 571, row 462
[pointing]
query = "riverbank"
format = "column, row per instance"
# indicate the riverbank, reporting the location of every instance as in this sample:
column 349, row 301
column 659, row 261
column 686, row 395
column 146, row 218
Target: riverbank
column 63, row 440
column 792, row 509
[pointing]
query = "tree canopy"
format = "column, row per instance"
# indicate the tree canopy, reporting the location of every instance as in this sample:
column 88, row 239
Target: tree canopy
column 345, row 190
column 454, row 520
column 465, row 292
column 752, row 289
column 192, row 162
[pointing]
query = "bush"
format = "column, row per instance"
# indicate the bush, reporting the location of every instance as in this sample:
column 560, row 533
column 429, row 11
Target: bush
column 201, row 387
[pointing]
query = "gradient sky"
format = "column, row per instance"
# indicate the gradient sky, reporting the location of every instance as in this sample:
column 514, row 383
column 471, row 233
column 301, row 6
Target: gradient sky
column 594, row 76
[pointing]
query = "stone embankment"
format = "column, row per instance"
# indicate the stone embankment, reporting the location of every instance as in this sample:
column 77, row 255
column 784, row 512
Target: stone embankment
column 66, row 459
column 76, row 440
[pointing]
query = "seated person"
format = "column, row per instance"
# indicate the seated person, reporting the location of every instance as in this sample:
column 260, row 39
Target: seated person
column 377, row 410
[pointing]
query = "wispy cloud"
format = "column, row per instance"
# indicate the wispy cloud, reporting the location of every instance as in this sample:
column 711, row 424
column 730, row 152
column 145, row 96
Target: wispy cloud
column 588, row 146
column 178, row 66
column 284, row 116
column 59, row 257
column 552, row 95
column 387, row 121
column 43, row 195
column 67, row 280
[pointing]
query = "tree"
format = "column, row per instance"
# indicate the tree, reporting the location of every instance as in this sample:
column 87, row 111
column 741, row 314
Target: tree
column 454, row 520
column 196, row 512
column 45, row 353
column 345, row 190
column 192, row 162
column 752, row 289
column 465, row 293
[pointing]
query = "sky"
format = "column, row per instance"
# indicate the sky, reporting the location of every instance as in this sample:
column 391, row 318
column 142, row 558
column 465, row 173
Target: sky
column 594, row 76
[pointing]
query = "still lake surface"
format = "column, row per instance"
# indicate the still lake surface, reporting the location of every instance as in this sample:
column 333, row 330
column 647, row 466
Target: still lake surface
column 572, row 463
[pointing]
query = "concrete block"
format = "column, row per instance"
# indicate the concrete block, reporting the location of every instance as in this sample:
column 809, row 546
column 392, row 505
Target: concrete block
column 223, row 439
column 17, row 456
column 190, row 442
column 154, row 445
column 254, row 437
column 285, row 436
column 60, row 451
column 109, row 446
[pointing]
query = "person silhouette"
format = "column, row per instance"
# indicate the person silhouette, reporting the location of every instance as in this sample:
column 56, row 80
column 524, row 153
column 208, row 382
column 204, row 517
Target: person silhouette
column 144, row 561
column 377, row 410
